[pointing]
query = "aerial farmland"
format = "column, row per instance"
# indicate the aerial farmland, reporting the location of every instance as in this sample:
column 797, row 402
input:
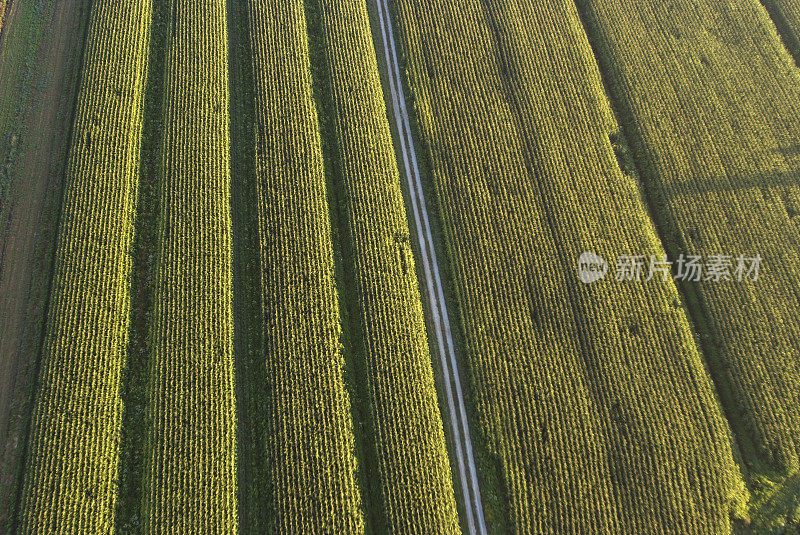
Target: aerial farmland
column 400, row 266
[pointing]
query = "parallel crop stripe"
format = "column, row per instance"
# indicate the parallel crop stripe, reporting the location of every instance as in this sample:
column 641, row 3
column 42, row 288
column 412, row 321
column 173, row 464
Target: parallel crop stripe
column 311, row 446
column 72, row 466
column 190, row 473
column 714, row 102
column 414, row 472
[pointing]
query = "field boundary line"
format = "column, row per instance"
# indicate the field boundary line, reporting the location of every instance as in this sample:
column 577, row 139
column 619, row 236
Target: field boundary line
column 465, row 461
column 58, row 206
column 789, row 40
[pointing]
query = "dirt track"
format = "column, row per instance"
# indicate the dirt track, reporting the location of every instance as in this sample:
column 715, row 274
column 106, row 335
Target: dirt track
column 31, row 219
column 465, row 462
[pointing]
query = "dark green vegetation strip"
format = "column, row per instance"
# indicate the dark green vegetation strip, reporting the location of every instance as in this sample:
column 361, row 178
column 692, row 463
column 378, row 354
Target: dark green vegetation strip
column 189, row 480
column 593, row 399
column 786, row 16
column 135, row 393
column 72, row 464
column 307, row 480
column 710, row 100
column 252, row 409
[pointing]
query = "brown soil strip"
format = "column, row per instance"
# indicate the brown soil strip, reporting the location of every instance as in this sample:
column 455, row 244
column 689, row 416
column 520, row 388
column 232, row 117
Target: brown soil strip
column 30, row 229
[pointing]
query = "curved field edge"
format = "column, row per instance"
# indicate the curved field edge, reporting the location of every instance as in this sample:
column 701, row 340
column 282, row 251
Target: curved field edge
column 719, row 186
column 786, row 16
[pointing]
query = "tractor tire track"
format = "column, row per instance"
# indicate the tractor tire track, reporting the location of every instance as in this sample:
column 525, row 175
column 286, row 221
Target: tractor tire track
column 465, row 461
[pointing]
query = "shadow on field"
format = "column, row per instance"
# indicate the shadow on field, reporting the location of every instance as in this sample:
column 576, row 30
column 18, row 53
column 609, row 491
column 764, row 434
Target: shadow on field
column 135, row 391
column 793, row 150
column 736, row 183
column 252, row 396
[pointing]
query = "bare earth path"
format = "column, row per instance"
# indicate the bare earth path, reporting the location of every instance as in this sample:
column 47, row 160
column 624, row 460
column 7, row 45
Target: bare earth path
column 29, row 228
column 465, row 461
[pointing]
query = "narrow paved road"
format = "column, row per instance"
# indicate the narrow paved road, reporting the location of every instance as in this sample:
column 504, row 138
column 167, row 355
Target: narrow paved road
column 441, row 321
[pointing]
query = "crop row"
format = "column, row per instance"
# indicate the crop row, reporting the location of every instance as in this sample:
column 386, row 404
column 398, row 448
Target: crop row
column 309, row 432
column 189, row 465
column 593, row 399
column 416, row 488
column 72, row 461
column 190, row 461
column 713, row 105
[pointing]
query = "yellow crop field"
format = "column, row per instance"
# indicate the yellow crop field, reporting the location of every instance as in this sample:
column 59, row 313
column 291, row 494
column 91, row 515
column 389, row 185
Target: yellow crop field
column 723, row 172
column 191, row 414
column 569, row 378
column 311, row 444
column 72, row 462
column 400, row 266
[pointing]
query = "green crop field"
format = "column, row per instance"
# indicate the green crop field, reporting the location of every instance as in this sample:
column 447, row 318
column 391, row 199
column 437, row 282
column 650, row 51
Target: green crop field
column 73, row 456
column 191, row 412
column 400, row 266
column 739, row 178
column 603, row 386
column 308, row 426
column 722, row 172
